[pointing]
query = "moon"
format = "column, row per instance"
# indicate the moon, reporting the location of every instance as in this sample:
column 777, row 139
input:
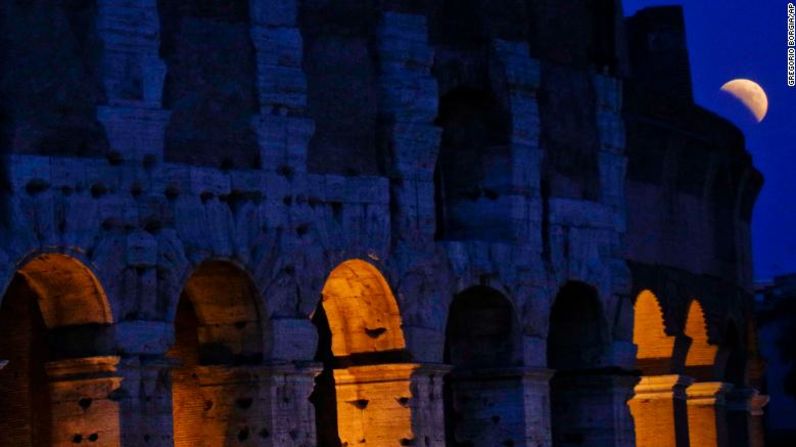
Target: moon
column 750, row 94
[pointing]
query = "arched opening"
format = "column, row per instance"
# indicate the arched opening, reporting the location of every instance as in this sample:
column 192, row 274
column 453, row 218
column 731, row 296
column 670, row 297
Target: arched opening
column 482, row 344
column 576, row 342
column 659, row 406
column 211, row 90
column 53, row 310
column 735, row 356
column 342, row 90
column 655, row 346
column 473, row 173
column 360, row 397
column 700, row 362
column 217, row 328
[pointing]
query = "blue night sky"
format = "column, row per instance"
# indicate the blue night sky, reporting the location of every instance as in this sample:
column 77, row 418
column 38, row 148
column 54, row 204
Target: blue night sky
column 743, row 39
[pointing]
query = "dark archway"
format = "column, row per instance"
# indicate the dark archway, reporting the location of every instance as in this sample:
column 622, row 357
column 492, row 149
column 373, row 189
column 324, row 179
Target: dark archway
column 577, row 341
column 484, row 402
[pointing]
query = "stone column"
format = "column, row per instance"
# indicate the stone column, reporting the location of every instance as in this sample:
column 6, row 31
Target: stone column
column 757, row 429
column 146, row 402
column 428, row 404
column 660, row 412
column 261, row 405
column 390, row 404
column 744, row 417
column 706, row 414
column 590, row 408
column 283, row 130
column 132, row 75
column 292, row 415
column 85, row 401
column 508, row 406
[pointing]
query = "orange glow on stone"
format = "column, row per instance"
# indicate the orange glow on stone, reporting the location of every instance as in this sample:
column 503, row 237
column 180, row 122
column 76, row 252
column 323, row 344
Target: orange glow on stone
column 655, row 347
column 362, row 312
column 701, row 356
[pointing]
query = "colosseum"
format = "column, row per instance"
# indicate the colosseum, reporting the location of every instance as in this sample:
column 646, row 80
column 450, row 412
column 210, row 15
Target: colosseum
column 291, row 223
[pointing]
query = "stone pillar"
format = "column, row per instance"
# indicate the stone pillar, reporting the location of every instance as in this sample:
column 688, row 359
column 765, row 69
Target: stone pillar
column 507, row 406
column 262, row 405
column 757, row 429
column 85, row 401
column 292, row 415
column 390, row 404
column 744, row 412
column 590, row 408
column 282, row 86
column 660, row 413
column 132, row 75
column 146, row 402
column 707, row 422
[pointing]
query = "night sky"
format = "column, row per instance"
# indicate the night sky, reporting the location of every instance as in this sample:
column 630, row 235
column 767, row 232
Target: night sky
column 743, row 39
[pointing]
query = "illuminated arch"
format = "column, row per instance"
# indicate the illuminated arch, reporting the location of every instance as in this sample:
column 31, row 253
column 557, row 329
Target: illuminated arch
column 655, row 346
column 218, row 322
column 223, row 301
column 52, row 301
column 68, row 292
column 701, row 356
column 362, row 312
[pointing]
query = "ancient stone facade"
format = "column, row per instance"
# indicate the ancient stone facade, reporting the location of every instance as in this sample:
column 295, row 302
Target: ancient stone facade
column 328, row 222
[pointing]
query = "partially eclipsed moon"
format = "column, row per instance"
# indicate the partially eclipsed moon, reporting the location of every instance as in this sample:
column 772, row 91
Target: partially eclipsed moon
column 750, row 94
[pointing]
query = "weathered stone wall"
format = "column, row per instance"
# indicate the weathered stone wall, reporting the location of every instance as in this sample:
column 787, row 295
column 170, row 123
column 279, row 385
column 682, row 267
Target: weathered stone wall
column 267, row 138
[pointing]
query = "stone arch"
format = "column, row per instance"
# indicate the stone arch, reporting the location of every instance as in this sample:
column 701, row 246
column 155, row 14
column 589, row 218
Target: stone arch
column 577, row 340
column 701, row 358
column 218, row 328
column 53, row 310
column 203, row 79
column 472, row 174
column 578, row 335
column 655, row 346
column 482, row 344
column 482, row 330
column 67, row 291
column 361, row 344
column 362, row 312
